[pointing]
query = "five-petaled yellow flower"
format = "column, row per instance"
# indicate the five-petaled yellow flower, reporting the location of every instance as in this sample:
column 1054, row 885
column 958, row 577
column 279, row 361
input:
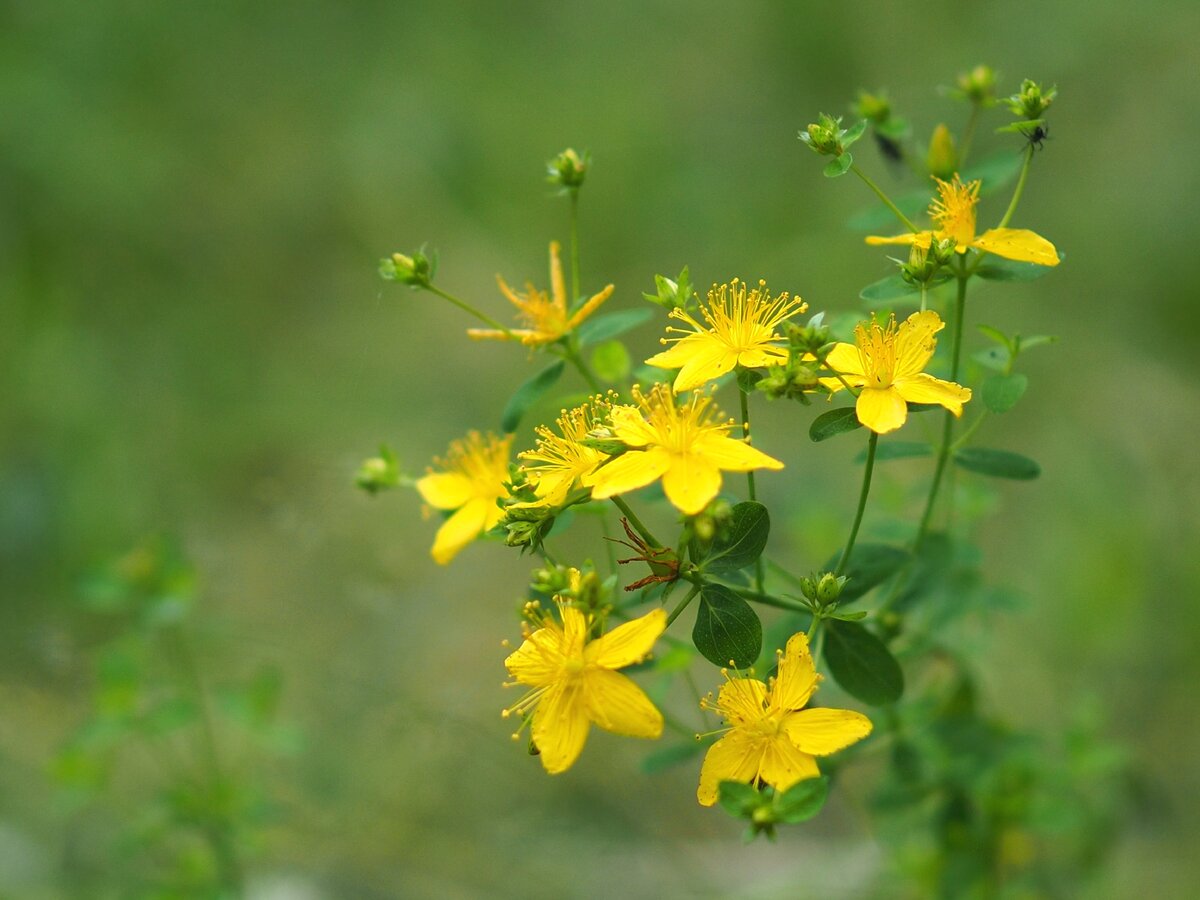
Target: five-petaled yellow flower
column 474, row 476
column 954, row 213
column 574, row 683
column 684, row 445
column 547, row 315
column 771, row 737
column 560, row 460
column 887, row 364
column 740, row 331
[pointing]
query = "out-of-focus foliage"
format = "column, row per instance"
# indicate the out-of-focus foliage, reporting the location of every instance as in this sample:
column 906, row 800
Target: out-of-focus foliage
column 192, row 340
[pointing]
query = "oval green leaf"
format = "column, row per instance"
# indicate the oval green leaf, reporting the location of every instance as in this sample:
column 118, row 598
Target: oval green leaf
column 802, row 800
column 611, row 362
column 832, row 423
column 839, row 165
column 610, row 325
column 997, row 268
column 727, row 631
column 749, row 527
column 529, row 393
column 861, row 664
column 1001, row 392
column 998, row 463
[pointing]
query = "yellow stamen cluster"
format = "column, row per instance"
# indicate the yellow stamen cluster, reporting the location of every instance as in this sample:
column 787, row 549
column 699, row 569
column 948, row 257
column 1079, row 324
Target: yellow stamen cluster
column 954, row 210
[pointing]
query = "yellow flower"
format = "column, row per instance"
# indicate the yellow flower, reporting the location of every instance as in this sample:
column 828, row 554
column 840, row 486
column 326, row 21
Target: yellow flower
column 887, row 364
column 547, row 316
column 771, row 738
column 683, row 445
column 575, row 683
column 560, row 459
column 474, row 478
column 740, row 331
column 954, row 213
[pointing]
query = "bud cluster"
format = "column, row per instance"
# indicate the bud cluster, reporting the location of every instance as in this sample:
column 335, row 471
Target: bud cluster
column 978, row 86
column 1032, row 101
column 924, row 263
column 568, row 169
column 827, row 138
column 416, row 270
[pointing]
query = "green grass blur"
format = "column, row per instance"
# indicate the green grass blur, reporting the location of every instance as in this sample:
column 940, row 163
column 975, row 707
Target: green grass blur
column 194, row 341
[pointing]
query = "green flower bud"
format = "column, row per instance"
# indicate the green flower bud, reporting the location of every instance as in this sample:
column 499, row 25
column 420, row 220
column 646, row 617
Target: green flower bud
column 379, row 473
column 568, row 169
column 550, row 580
column 978, row 85
column 874, row 107
column 824, row 136
column 943, row 158
column 672, row 293
column 416, row 270
column 1031, row 102
column 829, row 588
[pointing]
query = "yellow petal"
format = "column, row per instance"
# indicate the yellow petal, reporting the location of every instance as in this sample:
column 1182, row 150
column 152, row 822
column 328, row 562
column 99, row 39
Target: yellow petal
column 783, row 764
column 923, row 388
column 493, row 334
column 574, row 631
column 628, row 425
column 678, row 353
column 618, row 705
column 560, row 726
column 445, row 490
column 589, row 307
column 460, row 529
column 733, row 758
column 796, row 678
column 628, row 643
column 741, row 701
column 920, row 238
column 629, row 471
column 558, row 287
column 820, row 731
column 881, row 409
column 539, row 659
column 690, row 482
column 710, row 359
column 915, row 342
column 1019, row 244
column 733, row 455
column 757, row 357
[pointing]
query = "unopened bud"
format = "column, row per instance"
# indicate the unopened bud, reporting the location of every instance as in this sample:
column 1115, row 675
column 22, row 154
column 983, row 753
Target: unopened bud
column 1031, row 102
column 568, row 169
column 873, row 107
column 943, row 158
column 416, row 270
column 978, row 85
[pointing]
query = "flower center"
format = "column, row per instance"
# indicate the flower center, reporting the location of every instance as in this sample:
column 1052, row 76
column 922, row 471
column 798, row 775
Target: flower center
column 954, row 210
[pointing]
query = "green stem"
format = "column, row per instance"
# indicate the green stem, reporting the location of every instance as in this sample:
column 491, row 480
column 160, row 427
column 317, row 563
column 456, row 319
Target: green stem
column 966, row 435
column 884, row 197
column 571, row 352
column 924, row 293
column 635, row 522
column 574, row 247
column 872, row 442
column 816, row 639
column 468, row 308
column 948, row 423
column 608, row 543
column 746, row 594
column 968, row 135
column 758, row 563
column 1016, row 197
column 683, row 604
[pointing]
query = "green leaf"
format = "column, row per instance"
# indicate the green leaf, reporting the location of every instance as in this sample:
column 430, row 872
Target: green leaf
column 529, row 393
column 997, row 268
column 737, row 798
column 839, row 165
column 995, row 358
column 1036, row 340
column 803, row 800
column 608, row 326
column 994, row 171
column 747, row 379
column 854, row 133
column 832, row 423
column 861, row 664
column 868, row 566
column 998, row 463
column 749, row 527
column 727, row 631
column 670, row 756
column 896, row 450
column 996, row 335
column 1001, row 392
column 610, row 361
column 891, row 288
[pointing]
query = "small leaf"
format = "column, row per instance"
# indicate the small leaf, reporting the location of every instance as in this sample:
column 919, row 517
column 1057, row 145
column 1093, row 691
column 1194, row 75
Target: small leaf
column 998, row 463
column 896, row 450
column 1001, row 392
column 747, row 379
column 1036, row 340
column 869, row 565
column 749, row 527
column 854, row 133
column 670, row 756
column 529, row 393
column 737, row 798
column 832, row 423
column 610, row 361
column 861, row 664
column 996, row 335
column 839, row 165
column 995, row 358
column 598, row 329
column 727, row 631
column 891, row 288
column 997, row 268
column 802, row 800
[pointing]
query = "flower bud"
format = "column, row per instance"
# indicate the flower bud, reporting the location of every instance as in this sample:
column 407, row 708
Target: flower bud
column 978, row 85
column 568, row 169
column 416, row 270
column 824, row 136
column 1031, row 102
column 829, row 588
column 550, row 580
column 943, row 158
column 378, row 473
column 874, row 107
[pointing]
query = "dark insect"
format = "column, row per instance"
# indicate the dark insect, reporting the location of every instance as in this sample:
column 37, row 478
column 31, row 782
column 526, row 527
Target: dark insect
column 1037, row 136
column 889, row 148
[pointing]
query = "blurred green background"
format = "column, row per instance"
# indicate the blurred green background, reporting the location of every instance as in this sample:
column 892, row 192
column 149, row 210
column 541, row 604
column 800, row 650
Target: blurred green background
column 194, row 341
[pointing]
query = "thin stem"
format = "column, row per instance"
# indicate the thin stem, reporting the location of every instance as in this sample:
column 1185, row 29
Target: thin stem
column 608, row 543
column 924, row 294
column 571, row 352
column 816, row 640
column 886, row 200
column 683, row 604
column 641, row 529
column 872, row 442
column 1016, row 197
column 948, row 423
column 574, row 246
column 468, row 308
column 968, row 135
column 758, row 563
column 966, row 435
